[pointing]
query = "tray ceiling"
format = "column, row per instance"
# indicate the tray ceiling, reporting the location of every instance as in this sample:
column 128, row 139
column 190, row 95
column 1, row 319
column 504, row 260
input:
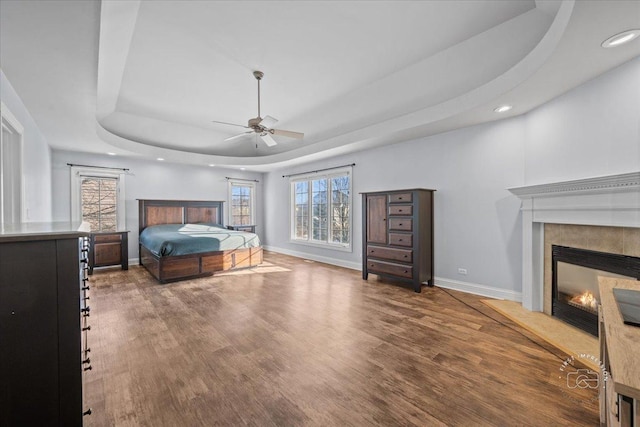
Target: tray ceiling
column 147, row 78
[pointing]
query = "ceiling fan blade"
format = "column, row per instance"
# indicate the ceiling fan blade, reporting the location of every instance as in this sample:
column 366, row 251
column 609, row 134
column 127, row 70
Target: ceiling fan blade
column 288, row 133
column 268, row 139
column 231, row 124
column 268, row 122
column 238, row 136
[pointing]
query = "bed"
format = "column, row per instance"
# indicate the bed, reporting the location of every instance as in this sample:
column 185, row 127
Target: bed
column 184, row 239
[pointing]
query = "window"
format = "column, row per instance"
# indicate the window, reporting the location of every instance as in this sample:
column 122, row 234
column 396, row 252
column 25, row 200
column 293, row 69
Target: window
column 99, row 201
column 97, row 197
column 241, row 202
column 321, row 209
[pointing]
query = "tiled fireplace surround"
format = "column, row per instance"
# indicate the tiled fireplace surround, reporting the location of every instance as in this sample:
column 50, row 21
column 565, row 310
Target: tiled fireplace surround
column 600, row 214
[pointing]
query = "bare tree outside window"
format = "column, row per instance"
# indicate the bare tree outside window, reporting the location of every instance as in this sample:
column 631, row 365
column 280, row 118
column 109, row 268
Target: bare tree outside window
column 301, row 214
column 319, row 201
column 99, row 203
column 340, row 210
column 241, row 204
column 322, row 210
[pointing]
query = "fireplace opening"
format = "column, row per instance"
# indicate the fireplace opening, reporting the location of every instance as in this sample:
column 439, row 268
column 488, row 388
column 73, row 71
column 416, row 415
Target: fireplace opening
column 575, row 294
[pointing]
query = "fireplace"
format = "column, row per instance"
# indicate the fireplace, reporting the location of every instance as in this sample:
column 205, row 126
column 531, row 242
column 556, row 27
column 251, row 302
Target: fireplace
column 575, row 274
column 611, row 201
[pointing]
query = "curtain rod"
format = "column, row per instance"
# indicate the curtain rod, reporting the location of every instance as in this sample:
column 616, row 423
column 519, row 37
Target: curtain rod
column 99, row 167
column 319, row 170
column 242, row 179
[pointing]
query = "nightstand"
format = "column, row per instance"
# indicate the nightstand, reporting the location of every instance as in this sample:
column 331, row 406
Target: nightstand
column 108, row 248
column 249, row 228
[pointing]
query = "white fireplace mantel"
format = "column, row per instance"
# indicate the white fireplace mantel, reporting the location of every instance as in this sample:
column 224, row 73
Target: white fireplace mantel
column 612, row 200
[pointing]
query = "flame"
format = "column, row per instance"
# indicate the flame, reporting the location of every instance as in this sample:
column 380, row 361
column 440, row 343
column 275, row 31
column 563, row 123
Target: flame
column 586, row 299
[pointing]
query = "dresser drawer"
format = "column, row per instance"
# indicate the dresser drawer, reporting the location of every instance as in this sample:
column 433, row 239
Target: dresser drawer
column 400, row 198
column 401, row 239
column 103, row 238
column 389, row 268
column 400, row 210
column 405, row 255
column 403, row 224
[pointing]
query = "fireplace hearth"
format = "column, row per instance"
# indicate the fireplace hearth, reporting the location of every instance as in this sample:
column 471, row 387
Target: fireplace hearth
column 575, row 274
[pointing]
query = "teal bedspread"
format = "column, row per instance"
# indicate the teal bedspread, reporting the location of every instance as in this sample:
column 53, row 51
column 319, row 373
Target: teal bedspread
column 184, row 239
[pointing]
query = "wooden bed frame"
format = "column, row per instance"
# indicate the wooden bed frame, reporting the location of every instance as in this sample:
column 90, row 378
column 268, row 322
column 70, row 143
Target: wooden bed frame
column 173, row 268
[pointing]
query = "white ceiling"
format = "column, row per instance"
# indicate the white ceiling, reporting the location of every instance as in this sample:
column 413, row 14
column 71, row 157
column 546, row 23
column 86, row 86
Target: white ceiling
column 147, row 78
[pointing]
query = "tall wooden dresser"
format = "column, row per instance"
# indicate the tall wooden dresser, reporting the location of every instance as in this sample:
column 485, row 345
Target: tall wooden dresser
column 398, row 235
column 43, row 352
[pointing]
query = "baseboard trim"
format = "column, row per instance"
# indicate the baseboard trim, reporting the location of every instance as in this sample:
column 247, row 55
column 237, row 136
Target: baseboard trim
column 318, row 258
column 477, row 289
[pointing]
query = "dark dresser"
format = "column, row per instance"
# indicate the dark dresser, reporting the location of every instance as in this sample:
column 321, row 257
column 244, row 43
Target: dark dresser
column 398, row 235
column 43, row 324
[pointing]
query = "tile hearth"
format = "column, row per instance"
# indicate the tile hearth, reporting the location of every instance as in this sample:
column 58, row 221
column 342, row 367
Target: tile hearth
column 567, row 338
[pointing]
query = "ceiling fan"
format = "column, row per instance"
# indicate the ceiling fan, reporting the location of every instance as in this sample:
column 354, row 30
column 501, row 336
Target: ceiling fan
column 262, row 126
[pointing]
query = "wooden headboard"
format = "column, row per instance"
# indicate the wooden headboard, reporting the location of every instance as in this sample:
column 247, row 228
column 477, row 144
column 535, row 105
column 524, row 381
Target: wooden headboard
column 154, row 212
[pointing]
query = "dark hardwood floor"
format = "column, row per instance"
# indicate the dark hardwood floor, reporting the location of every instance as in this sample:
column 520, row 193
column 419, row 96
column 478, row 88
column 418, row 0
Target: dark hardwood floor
column 295, row 342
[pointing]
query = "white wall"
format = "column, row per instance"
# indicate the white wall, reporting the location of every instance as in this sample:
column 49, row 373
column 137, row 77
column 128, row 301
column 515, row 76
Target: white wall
column 36, row 158
column 590, row 131
column 477, row 221
column 148, row 179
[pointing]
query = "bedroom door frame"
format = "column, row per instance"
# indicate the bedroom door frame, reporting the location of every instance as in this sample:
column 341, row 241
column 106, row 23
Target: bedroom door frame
column 12, row 195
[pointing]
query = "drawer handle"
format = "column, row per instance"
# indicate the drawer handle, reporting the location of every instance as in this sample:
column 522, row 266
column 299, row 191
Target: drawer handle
column 88, row 368
column 399, row 210
column 399, row 240
column 406, row 256
column 86, row 361
column 87, row 412
column 400, row 224
column 406, row 271
column 371, row 251
column 88, row 328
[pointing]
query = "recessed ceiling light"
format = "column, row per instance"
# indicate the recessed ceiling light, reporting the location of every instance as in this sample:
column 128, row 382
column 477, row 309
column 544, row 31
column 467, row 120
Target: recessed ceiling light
column 111, row 154
column 242, row 169
column 621, row 38
column 211, row 165
column 503, row 108
column 160, row 159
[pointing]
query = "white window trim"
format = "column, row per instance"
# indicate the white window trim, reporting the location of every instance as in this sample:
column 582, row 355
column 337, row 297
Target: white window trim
column 7, row 115
column 77, row 172
column 243, row 183
column 345, row 247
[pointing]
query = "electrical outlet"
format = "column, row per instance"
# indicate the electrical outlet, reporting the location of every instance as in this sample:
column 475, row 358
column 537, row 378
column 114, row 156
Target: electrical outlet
column 462, row 271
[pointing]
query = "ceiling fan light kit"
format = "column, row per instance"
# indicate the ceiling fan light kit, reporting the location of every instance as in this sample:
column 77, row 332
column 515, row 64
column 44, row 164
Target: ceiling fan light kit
column 262, row 126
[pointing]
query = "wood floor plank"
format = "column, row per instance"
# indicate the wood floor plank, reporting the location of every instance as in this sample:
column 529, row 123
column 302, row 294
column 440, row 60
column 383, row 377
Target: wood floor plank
column 303, row 343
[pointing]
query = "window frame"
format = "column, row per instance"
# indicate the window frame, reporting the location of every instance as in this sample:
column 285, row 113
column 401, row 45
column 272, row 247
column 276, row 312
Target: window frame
column 79, row 172
column 309, row 241
column 252, row 199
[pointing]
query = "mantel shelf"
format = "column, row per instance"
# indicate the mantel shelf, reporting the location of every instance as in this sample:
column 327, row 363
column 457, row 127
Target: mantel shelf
column 604, row 184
